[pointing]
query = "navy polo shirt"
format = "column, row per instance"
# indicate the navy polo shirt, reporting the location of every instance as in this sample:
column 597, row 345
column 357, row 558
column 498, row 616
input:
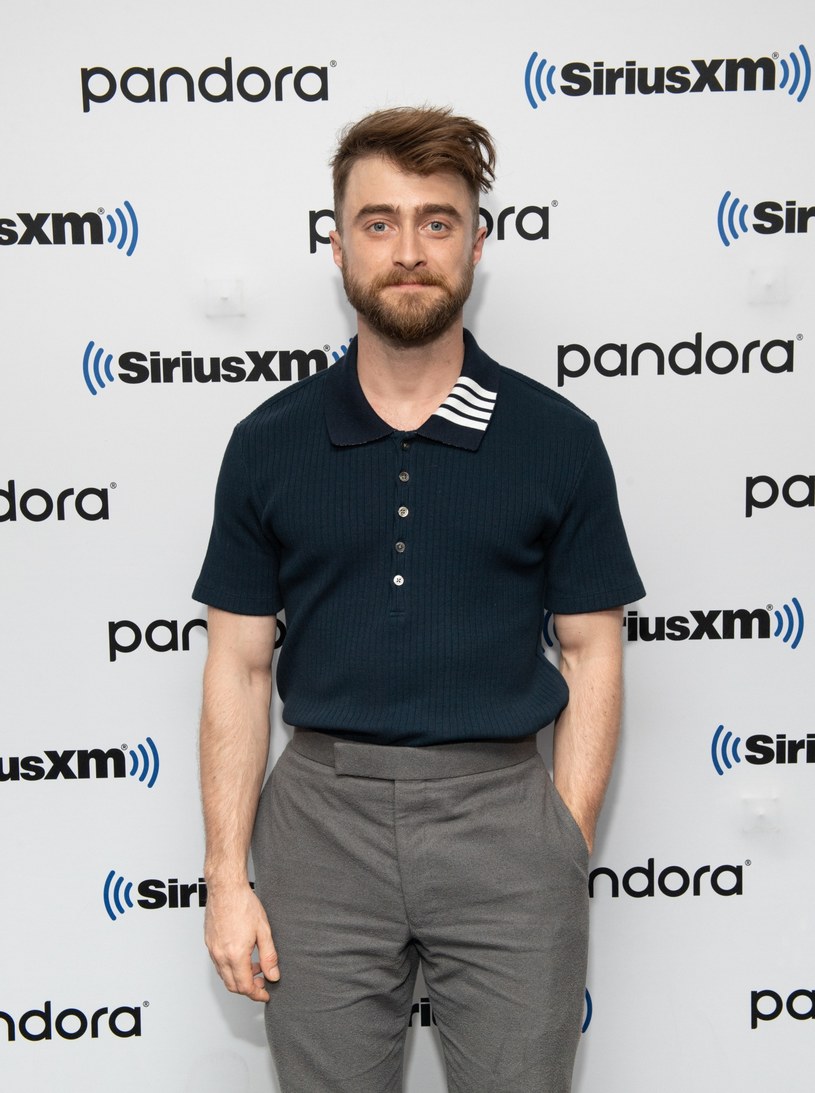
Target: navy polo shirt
column 414, row 568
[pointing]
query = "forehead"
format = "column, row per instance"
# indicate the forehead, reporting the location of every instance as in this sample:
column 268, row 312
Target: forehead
column 375, row 180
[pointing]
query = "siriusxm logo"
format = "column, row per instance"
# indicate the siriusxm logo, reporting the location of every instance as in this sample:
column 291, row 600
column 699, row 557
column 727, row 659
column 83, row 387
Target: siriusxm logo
column 762, row 492
column 161, row 635
column 769, row 218
column 643, row 881
column 760, row 750
column 799, row 1005
column 530, row 223
column 37, row 505
column 84, row 764
column 215, row 84
column 61, row 229
column 687, row 358
column 543, row 79
column 269, row 365
column 718, row 625
column 153, row 894
column 72, row 1023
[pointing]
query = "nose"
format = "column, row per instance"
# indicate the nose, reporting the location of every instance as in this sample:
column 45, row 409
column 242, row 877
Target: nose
column 408, row 250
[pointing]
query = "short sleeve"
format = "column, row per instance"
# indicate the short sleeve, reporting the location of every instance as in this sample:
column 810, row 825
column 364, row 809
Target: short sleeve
column 589, row 566
column 240, row 571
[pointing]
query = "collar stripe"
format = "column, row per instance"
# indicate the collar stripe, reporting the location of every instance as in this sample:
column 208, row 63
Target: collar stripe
column 466, row 399
column 457, row 419
column 476, row 388
column 461, row 407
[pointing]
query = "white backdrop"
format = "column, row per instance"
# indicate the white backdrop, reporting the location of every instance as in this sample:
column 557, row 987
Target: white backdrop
column 678, row 216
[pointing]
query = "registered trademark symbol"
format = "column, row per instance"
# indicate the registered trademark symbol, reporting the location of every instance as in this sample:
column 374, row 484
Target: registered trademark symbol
column 748, row 862
column 769, row 607
column 554, row 204
column 775, row 56
column 113, row 485
column 326, row 348
column 101, row 212
column 124, row 747
column 799, row 337
column 333, row 64
column 146, row 1005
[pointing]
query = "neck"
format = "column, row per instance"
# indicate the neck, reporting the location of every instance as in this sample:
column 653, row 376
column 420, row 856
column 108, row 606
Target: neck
column 406, row 384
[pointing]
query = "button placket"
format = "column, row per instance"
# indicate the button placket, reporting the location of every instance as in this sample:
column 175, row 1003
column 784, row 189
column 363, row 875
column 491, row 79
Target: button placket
column 401, row 537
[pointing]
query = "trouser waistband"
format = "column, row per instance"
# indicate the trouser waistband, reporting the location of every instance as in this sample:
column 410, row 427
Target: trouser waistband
column 433, row 761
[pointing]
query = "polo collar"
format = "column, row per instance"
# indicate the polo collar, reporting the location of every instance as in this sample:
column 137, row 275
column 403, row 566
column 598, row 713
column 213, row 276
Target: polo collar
column 460, row 421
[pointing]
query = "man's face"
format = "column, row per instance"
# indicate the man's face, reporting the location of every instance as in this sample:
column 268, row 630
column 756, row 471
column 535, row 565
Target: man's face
column 407, row 249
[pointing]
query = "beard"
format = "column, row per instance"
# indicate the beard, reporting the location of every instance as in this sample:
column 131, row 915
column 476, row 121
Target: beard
column 409, row 318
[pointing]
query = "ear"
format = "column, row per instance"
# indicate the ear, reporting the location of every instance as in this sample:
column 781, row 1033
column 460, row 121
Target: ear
column 336, row 247
column 478, row 244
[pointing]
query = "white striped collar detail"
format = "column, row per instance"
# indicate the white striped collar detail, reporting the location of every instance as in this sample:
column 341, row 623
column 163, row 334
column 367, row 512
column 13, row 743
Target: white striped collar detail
column 468, row 404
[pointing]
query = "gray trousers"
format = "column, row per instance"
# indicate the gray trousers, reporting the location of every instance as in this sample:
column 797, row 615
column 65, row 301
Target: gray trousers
column 369, row 859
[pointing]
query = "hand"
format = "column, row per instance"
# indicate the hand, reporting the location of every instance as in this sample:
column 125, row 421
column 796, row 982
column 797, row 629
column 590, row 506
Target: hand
column 234, row 926
column 586, row 824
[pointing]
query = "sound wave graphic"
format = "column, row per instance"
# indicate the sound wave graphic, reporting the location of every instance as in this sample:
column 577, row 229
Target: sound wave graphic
column 726, row 219
column 589, row 1011
column 796, row 72
column 724, row 750
column 125, row 228
column 793, row 616
column 337, row 355
column 534, row 83
column 549, row 632
column 115, row 890
column 144, row 764
column 92, row 368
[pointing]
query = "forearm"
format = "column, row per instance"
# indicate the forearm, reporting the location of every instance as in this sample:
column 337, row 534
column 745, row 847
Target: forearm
column 587, row 731
column 234, row 750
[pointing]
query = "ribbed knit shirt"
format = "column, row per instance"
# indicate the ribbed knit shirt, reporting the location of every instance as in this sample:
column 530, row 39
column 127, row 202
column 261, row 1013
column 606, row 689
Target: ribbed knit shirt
column 414, row 568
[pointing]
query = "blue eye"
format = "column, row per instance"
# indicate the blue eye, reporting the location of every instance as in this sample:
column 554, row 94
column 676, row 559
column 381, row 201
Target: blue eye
column 437, row 226
column 378, row 227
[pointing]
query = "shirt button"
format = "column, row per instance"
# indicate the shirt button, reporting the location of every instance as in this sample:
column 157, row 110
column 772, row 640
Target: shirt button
column 404, row 476
column 399, row 579
column 405, row 445
column 400, row 548
column 403, row 510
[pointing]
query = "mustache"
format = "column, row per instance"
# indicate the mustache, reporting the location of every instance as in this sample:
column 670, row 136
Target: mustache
column 403, row 277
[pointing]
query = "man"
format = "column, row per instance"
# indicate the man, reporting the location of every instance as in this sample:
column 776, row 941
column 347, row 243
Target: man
column 412, row 508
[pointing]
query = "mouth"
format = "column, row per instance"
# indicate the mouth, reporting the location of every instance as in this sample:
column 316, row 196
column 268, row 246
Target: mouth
column 412, row 285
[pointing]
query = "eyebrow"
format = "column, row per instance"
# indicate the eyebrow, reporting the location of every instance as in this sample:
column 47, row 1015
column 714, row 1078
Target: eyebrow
column 428, row 209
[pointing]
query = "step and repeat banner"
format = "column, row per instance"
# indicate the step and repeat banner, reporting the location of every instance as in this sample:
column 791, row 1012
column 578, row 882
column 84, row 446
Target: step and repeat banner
column 165, row 206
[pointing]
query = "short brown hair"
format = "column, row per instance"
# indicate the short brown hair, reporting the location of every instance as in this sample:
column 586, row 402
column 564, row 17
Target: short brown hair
column 421, row 140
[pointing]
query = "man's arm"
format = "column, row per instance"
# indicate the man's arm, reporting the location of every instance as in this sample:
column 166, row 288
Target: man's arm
column 586, row 733
column 234, row 750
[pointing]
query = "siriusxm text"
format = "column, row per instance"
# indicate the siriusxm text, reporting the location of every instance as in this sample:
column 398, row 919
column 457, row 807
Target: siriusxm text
column 716, row 75
column 69, row 765
column 716, row 625
column 269, row 365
